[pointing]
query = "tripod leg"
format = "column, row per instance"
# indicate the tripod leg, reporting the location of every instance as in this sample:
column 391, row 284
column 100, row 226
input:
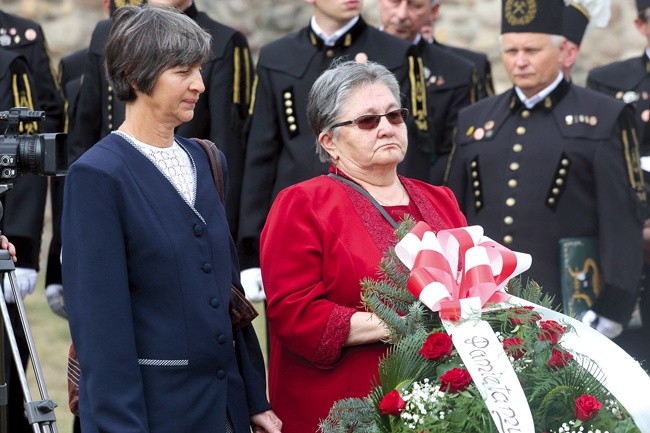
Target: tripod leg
column 40, row 414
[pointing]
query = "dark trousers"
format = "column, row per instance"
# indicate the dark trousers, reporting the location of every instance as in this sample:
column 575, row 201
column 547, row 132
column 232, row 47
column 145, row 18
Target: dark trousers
column 636, row 341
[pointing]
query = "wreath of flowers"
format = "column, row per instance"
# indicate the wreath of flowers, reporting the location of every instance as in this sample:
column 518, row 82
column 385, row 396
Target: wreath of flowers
column 423, row 385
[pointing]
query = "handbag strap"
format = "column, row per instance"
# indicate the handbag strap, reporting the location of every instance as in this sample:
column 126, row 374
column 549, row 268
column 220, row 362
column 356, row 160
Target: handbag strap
column 215, row 165
column 365, row 193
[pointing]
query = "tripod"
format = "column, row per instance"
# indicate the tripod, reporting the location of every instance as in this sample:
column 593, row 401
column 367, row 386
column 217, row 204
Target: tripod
column 39, row 413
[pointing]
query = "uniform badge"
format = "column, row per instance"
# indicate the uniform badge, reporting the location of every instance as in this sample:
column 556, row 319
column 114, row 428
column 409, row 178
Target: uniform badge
column 645, row 115
column 520, row 12
column 630, row 96
column 5, row 40
column 479, row 133
column 361, row 58
column 30, row 34
column 489, row 125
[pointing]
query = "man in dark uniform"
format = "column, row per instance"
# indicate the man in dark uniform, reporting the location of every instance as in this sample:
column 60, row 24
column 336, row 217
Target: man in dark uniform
column 281, row 147
column 485, row 85
column 578, row 14
column 450, row 79
column 629, row 80
column 219, row 115
column 24, row 204
column 548, row 160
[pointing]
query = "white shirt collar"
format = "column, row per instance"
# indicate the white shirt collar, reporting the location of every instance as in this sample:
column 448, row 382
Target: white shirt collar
column 533, row 100
column 330, row 40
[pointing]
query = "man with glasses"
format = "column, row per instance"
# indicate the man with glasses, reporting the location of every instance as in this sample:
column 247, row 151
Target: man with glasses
column 548, row 161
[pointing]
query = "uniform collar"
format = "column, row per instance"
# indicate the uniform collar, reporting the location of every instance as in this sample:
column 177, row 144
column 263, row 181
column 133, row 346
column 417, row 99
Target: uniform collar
column 646, row 59
column 343, row 37
column 547, row 102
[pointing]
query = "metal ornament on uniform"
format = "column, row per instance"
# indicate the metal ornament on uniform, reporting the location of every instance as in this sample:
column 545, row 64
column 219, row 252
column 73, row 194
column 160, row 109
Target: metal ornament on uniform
column 532, row 16
column 115, row 4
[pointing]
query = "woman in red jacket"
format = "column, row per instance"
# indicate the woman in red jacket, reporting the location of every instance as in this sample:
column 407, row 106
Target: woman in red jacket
column 324, row 235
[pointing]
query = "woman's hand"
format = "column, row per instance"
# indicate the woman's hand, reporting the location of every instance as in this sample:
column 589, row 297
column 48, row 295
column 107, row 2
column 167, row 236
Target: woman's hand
column 266, row 422
column 6, row 245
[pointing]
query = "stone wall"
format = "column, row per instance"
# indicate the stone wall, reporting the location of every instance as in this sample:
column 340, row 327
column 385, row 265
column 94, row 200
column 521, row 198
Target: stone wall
column 470, row 23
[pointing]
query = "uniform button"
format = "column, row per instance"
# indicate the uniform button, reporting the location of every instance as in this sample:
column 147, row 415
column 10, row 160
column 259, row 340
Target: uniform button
column 555, row 191
column 565, row 162
column 110, row 97
column 512, row 183
column 110, row 117
column 551, row 200
column 478, row 203
column 520, row 130
column 221, row 374
column 288, row 103
column 207, row 268
column 514, row 166
column 287, row 95
column 474, row 174
column 329, row 53
column 477, row 193
column 476, row 184
column 517, row 147
column 110, row 126
column 214, row 303
column 562, row 171
column 525, row 114
column 198, row 230
column 559, row 182
column 293, row 127
column 291, row 119
column 473, row 164
column 510, row 202
column 508, row 220
column 289, row 111
column 221, row 339
column 507, row 239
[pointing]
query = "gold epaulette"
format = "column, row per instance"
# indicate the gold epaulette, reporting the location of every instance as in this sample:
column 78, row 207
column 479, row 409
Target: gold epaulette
column 418, row 93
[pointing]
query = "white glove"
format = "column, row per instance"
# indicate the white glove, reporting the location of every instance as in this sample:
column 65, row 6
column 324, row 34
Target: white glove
column 54, row 295
column 251, row 281
column 608, row 328
column 26, row 279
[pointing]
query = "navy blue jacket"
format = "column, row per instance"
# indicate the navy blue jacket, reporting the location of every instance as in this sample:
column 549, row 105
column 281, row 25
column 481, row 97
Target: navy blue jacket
column 147, row 284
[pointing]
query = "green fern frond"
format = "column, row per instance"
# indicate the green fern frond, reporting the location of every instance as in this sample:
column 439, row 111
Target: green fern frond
column 350, row 415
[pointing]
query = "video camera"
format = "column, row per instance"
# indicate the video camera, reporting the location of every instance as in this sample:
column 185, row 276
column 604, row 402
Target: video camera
column 43, row 154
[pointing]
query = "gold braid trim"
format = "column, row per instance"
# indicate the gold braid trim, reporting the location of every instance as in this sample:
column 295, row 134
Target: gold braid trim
column 247, row 75
column 252, row 106
column 633, row 163
column 23, row 98
column 418, row 93
column 236, row 80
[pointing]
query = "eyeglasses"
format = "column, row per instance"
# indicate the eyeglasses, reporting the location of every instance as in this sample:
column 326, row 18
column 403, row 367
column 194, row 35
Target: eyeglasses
column 371, row 121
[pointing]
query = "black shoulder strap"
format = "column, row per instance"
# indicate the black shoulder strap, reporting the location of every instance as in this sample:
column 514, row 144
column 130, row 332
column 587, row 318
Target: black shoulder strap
column 215, row 165
column 365, row 193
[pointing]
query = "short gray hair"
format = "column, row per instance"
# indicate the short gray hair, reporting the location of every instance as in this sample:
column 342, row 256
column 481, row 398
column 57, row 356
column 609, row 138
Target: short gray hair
column 333, row 88
column 145, row 41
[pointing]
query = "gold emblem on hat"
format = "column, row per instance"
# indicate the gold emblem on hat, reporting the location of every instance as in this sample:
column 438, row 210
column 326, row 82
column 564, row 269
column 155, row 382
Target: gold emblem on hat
column 520, row 12
column 120, row 3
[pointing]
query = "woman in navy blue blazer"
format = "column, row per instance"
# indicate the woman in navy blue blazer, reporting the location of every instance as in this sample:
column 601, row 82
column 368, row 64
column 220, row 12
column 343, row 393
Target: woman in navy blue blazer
column 147, row 256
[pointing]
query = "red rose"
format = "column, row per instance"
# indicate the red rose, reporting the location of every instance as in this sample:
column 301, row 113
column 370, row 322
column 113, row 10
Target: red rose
column 559, row 359
column 392, row 403
column 514, row 347
column 551, row 331
column 524, row 315
column 436, row 346
column 455, row 380
column 586, row 407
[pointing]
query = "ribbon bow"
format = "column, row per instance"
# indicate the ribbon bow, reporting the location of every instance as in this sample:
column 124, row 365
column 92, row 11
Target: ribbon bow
column 457, row 264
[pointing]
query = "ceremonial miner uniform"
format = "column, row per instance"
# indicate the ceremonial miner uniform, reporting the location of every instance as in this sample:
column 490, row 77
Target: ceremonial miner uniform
column 566, row 167
column 219, row 115
column 484, row 83
column 629, row 81
column 451, row 85
column 281, row 146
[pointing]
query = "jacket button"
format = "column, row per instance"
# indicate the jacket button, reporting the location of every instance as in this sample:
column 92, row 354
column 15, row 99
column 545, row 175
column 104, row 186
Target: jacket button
column 221, row 339
column 214, row 303
column 207, row 268
column 198, row 230
column 221, row 374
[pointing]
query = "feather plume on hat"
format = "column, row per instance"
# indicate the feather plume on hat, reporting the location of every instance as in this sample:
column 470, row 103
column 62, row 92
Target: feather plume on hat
column 597, row 11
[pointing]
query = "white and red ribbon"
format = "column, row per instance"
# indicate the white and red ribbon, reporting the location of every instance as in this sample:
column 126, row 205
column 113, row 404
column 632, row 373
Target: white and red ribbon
column 457, row 264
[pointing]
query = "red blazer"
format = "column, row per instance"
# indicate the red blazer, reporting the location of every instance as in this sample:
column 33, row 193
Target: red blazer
column 320, row 240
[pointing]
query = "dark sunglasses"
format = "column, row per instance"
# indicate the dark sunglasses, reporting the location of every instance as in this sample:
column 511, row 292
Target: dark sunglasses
column 371, row 121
